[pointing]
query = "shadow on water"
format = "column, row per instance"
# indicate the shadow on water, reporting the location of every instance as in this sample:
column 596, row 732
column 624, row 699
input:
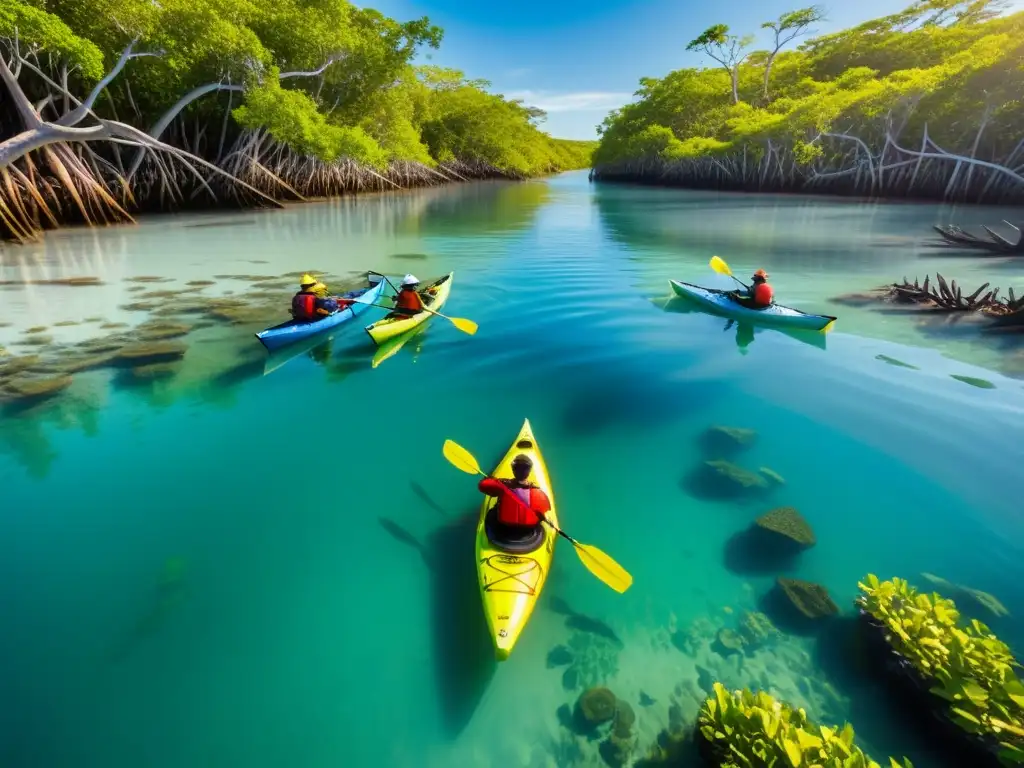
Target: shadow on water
column 463, row 654
column 616, row 399
column 582, row 622
column 754, row 552
column 171, row 592
column 881, row 722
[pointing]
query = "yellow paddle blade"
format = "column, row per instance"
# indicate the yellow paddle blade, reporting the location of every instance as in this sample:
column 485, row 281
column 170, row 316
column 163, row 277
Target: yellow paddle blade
column 720, row 266
column 461, row 458
column 603, row 567
column 464, row 325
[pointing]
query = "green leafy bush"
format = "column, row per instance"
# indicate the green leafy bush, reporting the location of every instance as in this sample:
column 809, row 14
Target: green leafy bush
column 967, row 665
column 951, row 70
column 747, row 729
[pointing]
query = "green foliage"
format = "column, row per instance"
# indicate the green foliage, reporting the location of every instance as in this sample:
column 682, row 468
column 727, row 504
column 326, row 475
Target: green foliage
column 35, row 26
column 747, row 729
column 939, row 62
column 370, row 104
column 969, row 666
column 292, row 118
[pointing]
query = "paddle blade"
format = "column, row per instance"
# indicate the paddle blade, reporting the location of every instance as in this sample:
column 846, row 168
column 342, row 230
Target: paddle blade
column 460, row 458
column 603, row 567
column 464, row 325
column 720, row 266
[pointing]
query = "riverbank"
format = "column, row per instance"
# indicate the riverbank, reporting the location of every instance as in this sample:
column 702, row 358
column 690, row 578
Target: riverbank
column 310, row 102
column 918, row 104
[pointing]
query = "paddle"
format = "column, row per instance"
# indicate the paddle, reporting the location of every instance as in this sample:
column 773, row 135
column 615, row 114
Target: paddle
column 464, row 325
column 722, row 268
column 596, row 561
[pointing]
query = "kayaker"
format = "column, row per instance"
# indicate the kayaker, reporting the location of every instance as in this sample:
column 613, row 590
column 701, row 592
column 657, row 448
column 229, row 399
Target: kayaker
column 408, row 301
column 521, row 504
column 760, row 294
column 314, row 301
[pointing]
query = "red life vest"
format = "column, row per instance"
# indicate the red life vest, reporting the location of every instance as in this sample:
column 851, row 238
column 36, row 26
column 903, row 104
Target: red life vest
column 533, row 500
column 763, row 294
column 304, row 306
column 409, row 301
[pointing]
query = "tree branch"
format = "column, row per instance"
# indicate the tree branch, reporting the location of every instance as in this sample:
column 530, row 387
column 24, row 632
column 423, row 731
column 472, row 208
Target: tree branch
column 75, row 116
column 197, row 93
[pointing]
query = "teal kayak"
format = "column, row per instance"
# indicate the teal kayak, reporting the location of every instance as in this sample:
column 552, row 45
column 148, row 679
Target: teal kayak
column 720, row 302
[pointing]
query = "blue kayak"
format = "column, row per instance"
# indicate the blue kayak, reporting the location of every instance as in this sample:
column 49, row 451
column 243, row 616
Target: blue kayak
column 292, row 331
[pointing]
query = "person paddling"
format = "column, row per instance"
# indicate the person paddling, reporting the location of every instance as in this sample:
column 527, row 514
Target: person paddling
column 408, row 301
column 521, row 504
column 313, row 301
column 759, row 295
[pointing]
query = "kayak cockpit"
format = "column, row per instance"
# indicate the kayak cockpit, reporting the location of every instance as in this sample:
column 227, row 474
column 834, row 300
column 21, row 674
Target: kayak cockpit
column 506, row 539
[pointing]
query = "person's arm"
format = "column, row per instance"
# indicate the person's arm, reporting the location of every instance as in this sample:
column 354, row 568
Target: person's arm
column 491, row 486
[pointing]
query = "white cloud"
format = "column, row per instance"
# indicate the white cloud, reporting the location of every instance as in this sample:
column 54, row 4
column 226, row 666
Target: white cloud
column 583, row 101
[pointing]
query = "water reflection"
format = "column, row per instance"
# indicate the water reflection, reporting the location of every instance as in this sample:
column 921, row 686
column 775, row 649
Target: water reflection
column 818, row 250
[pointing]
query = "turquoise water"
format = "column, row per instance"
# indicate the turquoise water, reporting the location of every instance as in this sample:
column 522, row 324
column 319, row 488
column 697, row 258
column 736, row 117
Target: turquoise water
column 318, row 605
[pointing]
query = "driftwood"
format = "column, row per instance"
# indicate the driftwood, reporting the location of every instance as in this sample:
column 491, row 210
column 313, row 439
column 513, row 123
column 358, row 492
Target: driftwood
column 950, row 298
column 995, row 242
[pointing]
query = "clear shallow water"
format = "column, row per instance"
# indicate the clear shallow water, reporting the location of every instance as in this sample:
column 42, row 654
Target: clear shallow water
column 324, row 610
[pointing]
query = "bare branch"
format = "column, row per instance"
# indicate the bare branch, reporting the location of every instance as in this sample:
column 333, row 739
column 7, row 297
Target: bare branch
column 76, row 116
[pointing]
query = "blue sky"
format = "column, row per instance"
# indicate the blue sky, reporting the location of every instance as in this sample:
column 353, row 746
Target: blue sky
column 578, row 59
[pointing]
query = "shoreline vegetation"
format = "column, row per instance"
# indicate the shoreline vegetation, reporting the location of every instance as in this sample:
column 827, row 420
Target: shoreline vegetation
column 921, row 104
column 110, row 108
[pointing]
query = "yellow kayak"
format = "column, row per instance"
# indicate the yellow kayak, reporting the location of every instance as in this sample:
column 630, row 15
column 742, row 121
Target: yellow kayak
column 513, row 575
column 433, row 295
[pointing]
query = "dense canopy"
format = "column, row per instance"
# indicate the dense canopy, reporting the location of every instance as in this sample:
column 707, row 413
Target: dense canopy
column 318, row 94
column 940, row 77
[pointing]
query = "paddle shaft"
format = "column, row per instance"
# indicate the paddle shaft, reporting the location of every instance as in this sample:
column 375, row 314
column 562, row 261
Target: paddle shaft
column 745, row 286
column 386, row 279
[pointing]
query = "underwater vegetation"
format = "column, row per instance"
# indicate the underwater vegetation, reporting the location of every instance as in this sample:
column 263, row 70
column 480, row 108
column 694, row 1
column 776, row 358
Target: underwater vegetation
column 743, row 728
column 967, row 673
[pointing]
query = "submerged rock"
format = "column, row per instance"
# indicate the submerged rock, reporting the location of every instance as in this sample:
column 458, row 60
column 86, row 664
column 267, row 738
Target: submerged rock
column 727, row 441
column 728, row 641
column 154, row 371
column 596, row 706
column 36, row 387
column 144, row 353
column 159, row 329
column 961, row 594
column 756, row 628
column 810, row 599
column 618, row 748
column 645, row 700
column 736, row 476
column 788, row 524
column 559, row 656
